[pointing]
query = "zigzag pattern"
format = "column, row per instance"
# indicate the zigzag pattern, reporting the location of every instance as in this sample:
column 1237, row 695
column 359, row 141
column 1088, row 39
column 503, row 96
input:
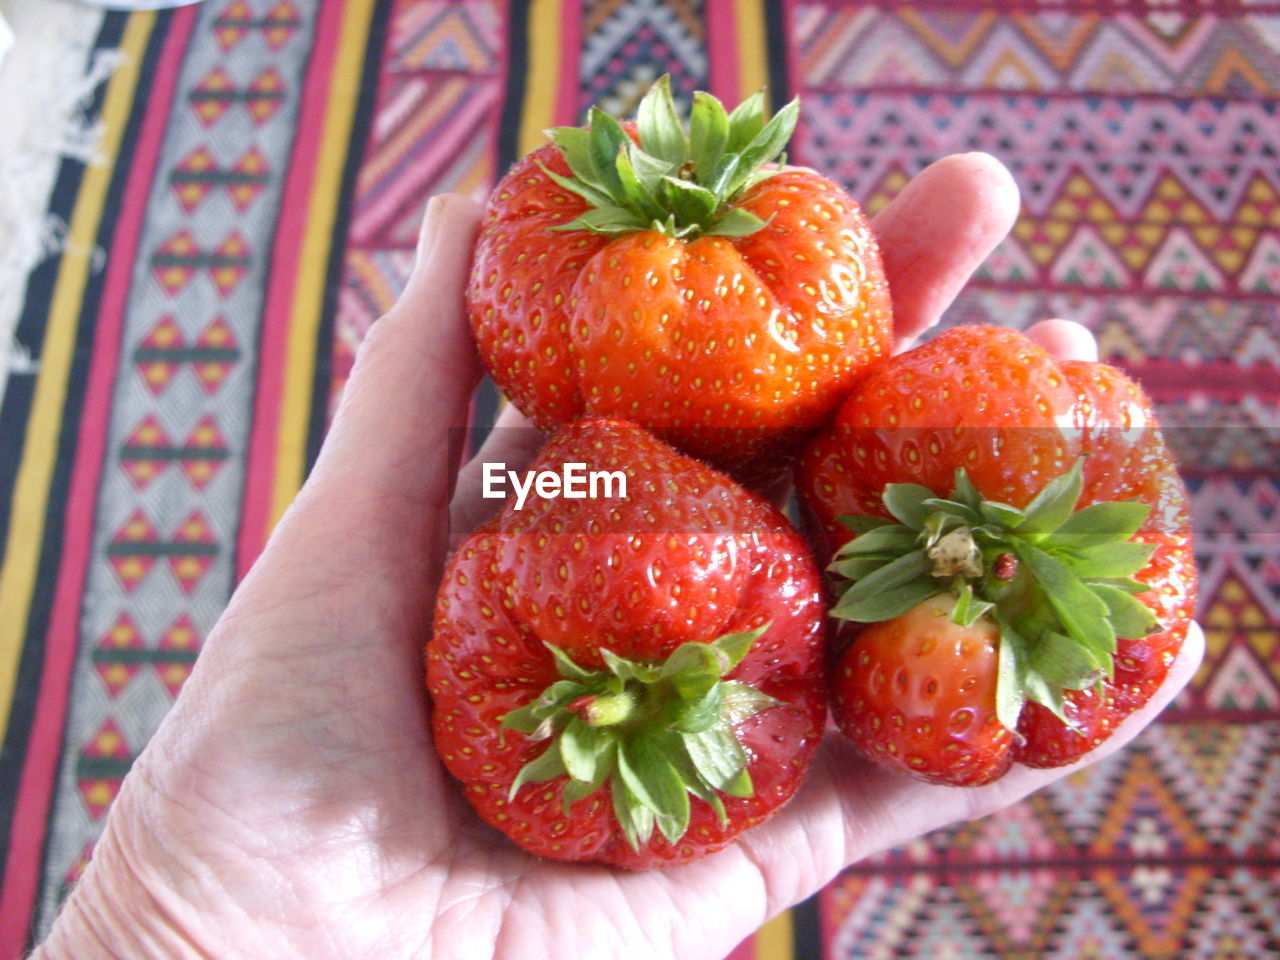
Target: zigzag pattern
column 435, row 35
column 1119, row 194
column 1145, row 143
column 1117, row 823
column 432, row 135
column 628, row 45
column 1159, row 52
column 433, row 132
column 1160, row 160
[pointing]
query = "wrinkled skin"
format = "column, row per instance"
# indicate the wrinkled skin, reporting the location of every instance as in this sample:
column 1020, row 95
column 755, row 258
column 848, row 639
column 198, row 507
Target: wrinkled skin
column 291, row 804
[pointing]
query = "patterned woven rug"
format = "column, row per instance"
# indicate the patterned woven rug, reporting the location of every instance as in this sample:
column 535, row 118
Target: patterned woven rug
column 265, row 166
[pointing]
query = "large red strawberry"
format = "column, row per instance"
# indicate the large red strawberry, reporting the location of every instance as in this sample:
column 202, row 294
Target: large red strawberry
column 1038, row 501
column 678, row 280
column 634, row 679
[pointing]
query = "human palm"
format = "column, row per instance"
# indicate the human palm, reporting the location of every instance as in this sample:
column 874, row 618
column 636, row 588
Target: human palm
column 291, row 804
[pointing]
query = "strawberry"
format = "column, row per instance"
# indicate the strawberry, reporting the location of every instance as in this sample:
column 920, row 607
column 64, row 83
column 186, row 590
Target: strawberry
column 633, row 680
column 918, row 691
column 1037, row 502
column 678, row 280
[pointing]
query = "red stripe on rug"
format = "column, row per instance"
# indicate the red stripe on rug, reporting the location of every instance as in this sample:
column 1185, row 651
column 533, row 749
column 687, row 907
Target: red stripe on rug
column 722, row 51
column 35, row 789
column 1172, row 381
column 295, row 206
column 569, row 88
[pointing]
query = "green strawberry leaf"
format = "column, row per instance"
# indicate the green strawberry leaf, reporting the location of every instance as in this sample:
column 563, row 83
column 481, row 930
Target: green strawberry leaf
column 1131, row 617
column 674, row 749
column 610, row 220
column 746, row 122
column 567, row 668
column 658, row 124
column 737, row 222
column 733, row 647
column 1001, row 514
column 683, row 183
column 1054, row 504
column 717, row 755
column 584, row 749
column 1102, row 523
column 635, row 819
column 739, row 701
column 584, row 189
column 884, row 541
column 1080, row 611
column 656, row 733
column 575, row 146
column 636, row 195
column 693, row 715
column 692, row 203
column 708, row 131
column 889, row 592
column 767, row 144
column 626, row 669
column 906, row 501
column 969, row 609
column 1058, row 581
column 1103, row 560
column 546, row 766
column 1062, row 662
column 863, row 524
column 1010, row 694
column 651, row 171
column 721, row 175
column 965, row 493
column 855, row 568
column 652, row 779
column 953, row 510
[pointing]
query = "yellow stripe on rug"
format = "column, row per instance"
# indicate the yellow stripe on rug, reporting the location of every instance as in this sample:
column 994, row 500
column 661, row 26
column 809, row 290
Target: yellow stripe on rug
column 753, row 52
column 542, row 80
column 309, row 289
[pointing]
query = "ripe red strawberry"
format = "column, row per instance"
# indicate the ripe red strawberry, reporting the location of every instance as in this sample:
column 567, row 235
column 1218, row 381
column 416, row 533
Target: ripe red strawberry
column 1141, row 664
column 677, row 280
column 919, row 692
column 630, row 680
column 1038, row 499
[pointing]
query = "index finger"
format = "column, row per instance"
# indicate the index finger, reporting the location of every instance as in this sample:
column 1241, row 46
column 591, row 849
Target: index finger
column 937, row 232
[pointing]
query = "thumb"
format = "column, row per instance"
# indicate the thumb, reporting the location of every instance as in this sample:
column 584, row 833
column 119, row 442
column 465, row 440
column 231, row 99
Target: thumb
column 387, row 465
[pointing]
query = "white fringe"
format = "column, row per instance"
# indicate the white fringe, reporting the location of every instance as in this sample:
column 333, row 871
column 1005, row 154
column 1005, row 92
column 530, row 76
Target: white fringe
column 49, row 84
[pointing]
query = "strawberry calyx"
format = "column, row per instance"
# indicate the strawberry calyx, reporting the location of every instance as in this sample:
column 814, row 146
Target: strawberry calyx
column 681, row 183
column 1057, row 581
column 654, row 733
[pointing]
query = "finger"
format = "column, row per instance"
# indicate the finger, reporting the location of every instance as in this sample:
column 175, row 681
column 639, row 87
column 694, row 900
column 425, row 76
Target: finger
column 917, row 807
column 848, row 798
column 511, row 445
column 1064, row 339
column 387, row 464
column 937, row 231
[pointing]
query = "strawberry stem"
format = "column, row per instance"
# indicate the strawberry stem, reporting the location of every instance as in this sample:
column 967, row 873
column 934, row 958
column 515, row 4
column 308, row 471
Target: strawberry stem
column 679, row 182
column 1055, row 578
column 654, row 733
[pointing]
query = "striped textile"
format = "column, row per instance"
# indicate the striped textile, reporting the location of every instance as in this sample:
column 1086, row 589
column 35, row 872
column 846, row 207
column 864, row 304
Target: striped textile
column 264, row 167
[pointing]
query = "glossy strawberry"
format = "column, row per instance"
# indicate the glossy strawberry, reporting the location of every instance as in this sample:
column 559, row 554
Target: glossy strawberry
column 1034, row 495
column 630, row 680
column 918, row 692
column 1141, row 664
column 678, row 280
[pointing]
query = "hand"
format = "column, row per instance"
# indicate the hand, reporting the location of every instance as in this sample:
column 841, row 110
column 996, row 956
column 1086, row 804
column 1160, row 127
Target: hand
column 291, row 804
